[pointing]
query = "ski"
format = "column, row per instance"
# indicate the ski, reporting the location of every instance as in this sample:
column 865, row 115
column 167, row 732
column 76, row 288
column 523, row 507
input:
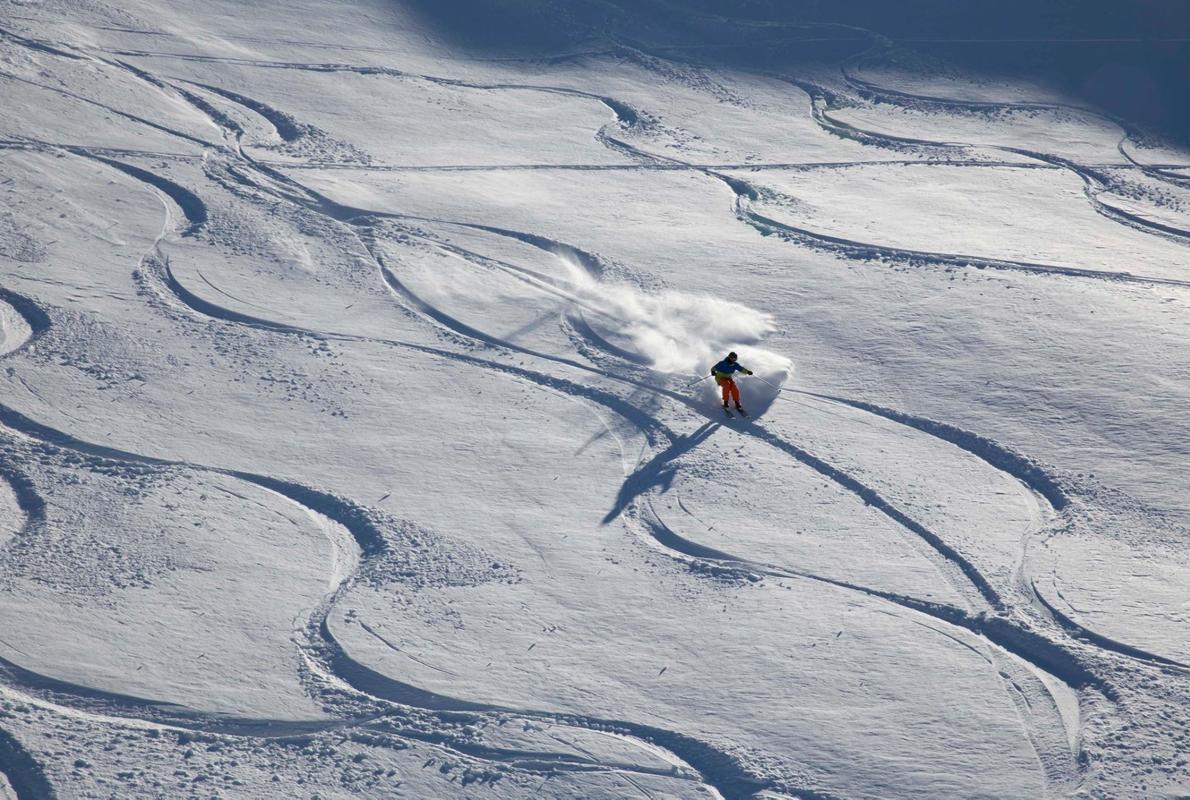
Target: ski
column 728, row 413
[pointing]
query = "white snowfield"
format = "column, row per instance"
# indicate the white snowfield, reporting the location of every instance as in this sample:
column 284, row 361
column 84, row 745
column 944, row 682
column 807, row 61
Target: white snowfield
column 357, row 439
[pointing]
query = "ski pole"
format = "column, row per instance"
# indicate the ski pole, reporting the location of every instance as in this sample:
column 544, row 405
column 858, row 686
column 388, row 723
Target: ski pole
column 700, row 380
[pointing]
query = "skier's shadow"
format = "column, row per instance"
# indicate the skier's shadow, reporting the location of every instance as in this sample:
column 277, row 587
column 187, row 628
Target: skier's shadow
column 658, row 471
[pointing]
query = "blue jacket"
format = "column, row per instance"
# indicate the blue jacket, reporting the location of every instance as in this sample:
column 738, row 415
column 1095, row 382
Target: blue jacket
column 725, row 369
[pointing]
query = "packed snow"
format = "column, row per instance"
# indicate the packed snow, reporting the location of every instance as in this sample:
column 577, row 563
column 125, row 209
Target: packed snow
column 357, row 437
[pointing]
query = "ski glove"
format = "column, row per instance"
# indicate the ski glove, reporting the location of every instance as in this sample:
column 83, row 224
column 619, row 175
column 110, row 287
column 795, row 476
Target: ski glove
column 747, row 372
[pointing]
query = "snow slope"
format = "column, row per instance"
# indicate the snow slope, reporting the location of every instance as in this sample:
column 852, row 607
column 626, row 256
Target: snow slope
column 353, row 440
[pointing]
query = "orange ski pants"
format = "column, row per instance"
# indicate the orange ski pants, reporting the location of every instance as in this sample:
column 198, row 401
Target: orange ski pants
column 730, row 390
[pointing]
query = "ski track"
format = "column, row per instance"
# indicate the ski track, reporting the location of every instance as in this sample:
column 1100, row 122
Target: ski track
column 111, row 152
column 624, row 112
column 110, row 109
column 35, row 321
column 1026, row 645
column 285, row 125
column 581, row 328
column 648, row 425
column 39, row 46
column 290, row 130
column 1093, row 183
column 1032, row 476
column 1013, row 648
column 865, row 251
column 98, row 703
column 1037, row 480
column 589, row 261
column 795, row 166
column 30, row 503
column 869, row 90
column 820, row 102
column 994, row 454
column 1030, row 647
column 950, row 557
column 718, row 767
column 1079, row 631
column 364, row 677
column 193, row 208
column 718, row 770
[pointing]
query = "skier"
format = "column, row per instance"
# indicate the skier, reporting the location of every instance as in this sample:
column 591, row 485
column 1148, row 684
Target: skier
column 722, row 373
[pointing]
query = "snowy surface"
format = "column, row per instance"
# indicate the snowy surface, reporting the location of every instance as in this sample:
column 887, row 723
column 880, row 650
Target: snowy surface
column 353, row 443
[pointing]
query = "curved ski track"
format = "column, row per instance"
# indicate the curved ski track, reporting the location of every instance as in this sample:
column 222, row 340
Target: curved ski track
column 1005, row 634
column 22, row 772
column 628, row 117
column 716, row 768
column 720, row 771
column 1011, row 638
column 870, row 90
column 728, row 784
column 1001, row 633
column 109, row 109
column 998, row 456
column 371, row 543
column 865, row 251
column 1034, row 477
column 1094, row 184
column 624, row 112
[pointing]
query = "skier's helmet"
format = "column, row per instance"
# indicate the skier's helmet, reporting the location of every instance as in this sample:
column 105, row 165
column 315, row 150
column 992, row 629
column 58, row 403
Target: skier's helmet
column 732, row 356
